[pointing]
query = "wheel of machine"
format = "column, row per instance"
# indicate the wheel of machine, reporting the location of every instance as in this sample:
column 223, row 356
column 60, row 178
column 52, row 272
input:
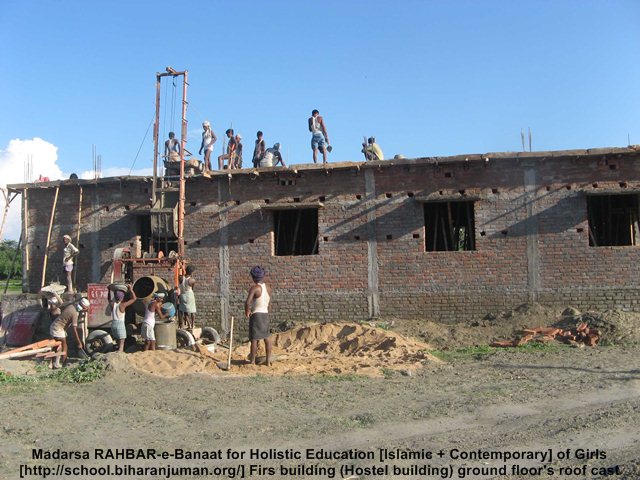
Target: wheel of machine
column 210, row 335
column 98, row 341
column 185, row 339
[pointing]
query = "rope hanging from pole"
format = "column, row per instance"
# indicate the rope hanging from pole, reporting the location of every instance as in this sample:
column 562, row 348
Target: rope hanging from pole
column 173, row 105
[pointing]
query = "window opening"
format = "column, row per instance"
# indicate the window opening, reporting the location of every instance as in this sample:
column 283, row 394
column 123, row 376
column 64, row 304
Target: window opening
column 296, row 231
column 613, row 220
column 449, row 226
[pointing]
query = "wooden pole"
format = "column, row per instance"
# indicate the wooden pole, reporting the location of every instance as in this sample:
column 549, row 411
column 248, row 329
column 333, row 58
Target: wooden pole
column 75, row 270
column 7, row 202
column 46, row 250
column 295, row 233
column 230, row 344
column 25, row 210
column 451, row 227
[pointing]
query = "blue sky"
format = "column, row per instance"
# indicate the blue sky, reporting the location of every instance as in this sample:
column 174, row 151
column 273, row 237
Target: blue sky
column 427, row 78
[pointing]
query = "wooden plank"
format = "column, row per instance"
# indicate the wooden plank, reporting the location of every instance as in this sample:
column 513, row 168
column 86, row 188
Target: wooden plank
column 470, row 233
column 444, row 233
column 451, row 226
column 46, row 250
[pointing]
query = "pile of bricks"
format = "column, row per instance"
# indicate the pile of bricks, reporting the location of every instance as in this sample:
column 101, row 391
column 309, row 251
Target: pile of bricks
column 580, row 335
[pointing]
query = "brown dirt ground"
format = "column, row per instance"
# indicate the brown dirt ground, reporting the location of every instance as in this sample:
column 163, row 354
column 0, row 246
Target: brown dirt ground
column 350, row 386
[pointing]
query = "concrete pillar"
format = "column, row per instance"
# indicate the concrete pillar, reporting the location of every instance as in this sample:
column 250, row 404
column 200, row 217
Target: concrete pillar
column 533, row 257
column 373, row 298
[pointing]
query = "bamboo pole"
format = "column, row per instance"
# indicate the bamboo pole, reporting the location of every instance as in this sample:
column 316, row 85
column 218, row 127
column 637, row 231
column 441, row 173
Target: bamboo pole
column 295, row 233
column 25, row 210
column 46, row 250
column 470, row 231
column 451, row 227
column 444, row 233
column 75, row 270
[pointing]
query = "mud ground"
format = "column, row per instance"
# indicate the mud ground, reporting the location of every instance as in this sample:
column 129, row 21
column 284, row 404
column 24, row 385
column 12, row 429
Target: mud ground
column 556, row 397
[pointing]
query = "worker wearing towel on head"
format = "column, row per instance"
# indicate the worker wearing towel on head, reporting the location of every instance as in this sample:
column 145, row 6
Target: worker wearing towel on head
column 69, row 253
column 118, row 307
column 208, row 139
column 149, row 322
column 58, row 328
column 187, row 299
column 257, row 310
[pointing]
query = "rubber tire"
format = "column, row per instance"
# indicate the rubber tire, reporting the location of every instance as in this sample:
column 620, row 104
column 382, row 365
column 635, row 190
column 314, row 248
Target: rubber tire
column 184, row 339
column 98, row 341
column 211, row 335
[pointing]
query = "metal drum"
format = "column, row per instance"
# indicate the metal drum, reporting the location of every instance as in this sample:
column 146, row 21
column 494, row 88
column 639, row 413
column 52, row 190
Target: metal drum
column 165, row 331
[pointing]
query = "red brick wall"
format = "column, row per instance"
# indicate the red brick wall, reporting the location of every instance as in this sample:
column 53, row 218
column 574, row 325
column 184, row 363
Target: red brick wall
column 509, row 266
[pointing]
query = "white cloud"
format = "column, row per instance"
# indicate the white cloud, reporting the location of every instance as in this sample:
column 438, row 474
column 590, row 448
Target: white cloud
column 43, row 156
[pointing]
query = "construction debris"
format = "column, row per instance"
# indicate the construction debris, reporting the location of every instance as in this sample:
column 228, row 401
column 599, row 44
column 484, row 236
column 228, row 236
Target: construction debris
column 578, row 336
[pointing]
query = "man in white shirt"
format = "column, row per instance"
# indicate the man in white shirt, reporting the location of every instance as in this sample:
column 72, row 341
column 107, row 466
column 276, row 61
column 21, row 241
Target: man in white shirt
column 69, row 253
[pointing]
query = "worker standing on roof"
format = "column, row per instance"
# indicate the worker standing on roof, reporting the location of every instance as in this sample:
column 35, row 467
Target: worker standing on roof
column 208, row 139
column 69, row 253
column 237, row 163
column 258, row 150
column 319, row 136
column 172, row 148
column 231, row 151
column 372, row 150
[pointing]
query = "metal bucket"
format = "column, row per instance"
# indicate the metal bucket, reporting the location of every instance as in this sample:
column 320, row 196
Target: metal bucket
column 165, row 331
column 145, row 287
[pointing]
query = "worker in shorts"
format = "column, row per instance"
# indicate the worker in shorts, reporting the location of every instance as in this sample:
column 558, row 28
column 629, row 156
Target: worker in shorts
column 149, row 322
column 319, row 136
column 58, row 329
column 118, row 307
column 256, row 308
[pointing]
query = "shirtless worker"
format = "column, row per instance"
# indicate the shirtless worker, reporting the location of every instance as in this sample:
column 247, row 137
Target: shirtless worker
column 172, row 148
column 319, row 136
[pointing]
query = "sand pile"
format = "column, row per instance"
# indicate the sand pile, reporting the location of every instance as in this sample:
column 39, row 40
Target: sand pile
column 313, row 349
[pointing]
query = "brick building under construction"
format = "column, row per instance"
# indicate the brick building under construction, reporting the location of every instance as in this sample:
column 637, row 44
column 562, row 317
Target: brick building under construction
column 440, row 238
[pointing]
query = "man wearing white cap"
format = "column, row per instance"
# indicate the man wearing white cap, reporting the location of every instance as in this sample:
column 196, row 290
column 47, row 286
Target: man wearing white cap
column 69, row 252
column 208, row 139
column 58, row 328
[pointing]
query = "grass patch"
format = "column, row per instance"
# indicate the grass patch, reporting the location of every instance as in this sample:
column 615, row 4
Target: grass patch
column 7, row 379
column 15, row 286
column 482, row 351
column 477, row 352
column 83, row 372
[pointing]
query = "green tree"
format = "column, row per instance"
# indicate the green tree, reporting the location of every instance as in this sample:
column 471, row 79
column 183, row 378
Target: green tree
column 7, row 252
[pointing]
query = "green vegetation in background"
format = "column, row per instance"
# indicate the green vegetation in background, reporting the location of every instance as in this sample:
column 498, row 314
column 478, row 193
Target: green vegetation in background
column 7, row 252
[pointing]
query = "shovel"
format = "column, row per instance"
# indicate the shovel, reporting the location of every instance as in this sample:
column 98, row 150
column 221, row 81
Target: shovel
column 227, row 366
